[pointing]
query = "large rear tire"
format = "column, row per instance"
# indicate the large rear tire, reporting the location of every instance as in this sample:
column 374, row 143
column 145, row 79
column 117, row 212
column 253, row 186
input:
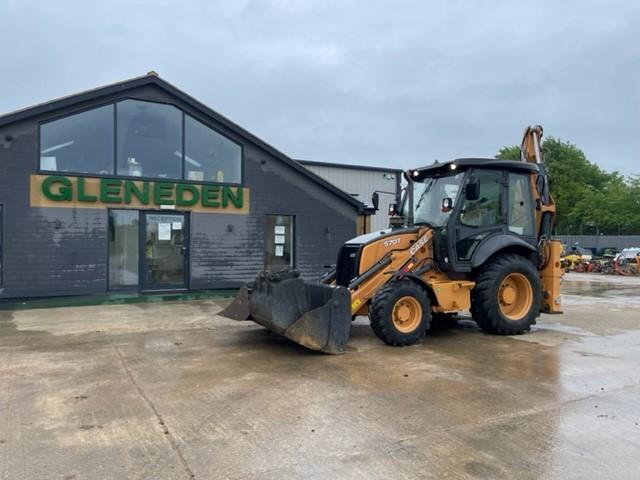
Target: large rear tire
column 400, row 313
column 506, row 298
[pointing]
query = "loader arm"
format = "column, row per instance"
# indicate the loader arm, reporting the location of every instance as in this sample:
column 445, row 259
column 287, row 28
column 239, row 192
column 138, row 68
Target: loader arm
column 412, row 258
column 394, row 263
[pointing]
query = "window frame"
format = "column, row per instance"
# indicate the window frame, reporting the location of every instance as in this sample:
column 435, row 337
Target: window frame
column 531, row 211
column 127, row 288
column 216, row 130
column 114, row 102
column 55, row 118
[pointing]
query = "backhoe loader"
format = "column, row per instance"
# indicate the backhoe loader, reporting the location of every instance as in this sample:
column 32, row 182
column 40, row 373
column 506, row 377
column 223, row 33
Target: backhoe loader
column 468, row 234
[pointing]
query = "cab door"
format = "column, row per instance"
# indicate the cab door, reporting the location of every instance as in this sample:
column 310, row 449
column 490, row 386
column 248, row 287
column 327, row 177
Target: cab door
column 477, row 220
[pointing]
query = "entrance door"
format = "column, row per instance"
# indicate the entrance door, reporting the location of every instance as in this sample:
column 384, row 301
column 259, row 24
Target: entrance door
column 164, row 241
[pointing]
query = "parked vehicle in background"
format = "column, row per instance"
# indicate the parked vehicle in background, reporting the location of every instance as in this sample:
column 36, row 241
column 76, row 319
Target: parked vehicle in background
column 627, row 262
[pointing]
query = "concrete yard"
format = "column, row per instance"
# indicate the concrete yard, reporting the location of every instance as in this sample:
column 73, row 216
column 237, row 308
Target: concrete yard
column 170, row 390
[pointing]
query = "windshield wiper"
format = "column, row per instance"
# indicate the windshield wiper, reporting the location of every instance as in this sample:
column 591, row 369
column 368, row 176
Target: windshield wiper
column 424, row 192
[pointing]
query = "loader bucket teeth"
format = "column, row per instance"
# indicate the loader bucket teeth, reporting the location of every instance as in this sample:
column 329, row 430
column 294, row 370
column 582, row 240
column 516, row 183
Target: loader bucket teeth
column 313, row 315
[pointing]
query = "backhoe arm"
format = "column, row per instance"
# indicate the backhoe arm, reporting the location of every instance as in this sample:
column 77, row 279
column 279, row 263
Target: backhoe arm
column 549, row 250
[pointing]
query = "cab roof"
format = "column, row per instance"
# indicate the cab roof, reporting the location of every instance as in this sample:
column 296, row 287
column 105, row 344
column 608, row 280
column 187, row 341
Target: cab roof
column 465, row 163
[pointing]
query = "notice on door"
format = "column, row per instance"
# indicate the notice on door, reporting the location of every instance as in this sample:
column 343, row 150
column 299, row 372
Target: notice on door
column 164, row 231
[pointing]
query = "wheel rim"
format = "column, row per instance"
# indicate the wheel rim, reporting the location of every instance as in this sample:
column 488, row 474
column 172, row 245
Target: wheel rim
column 407, row 314
column 515, row 296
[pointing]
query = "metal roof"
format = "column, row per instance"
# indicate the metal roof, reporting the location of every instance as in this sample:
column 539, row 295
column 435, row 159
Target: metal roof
column 370, row 168
column 153, row 78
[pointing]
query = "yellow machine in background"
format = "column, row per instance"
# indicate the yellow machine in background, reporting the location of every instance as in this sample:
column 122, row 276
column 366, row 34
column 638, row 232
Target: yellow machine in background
column 470, row 234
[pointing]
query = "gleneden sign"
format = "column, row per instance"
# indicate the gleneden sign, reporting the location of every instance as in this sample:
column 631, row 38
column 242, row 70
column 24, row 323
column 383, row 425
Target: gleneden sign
column 86, row 192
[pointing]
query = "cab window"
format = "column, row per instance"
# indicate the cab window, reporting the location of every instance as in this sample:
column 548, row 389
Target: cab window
column 485, row 210
column 480, row 214
column 520, row 207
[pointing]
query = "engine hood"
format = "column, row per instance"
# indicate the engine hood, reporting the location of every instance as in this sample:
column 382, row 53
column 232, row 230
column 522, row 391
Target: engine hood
column 368, row 237
column 378, row 234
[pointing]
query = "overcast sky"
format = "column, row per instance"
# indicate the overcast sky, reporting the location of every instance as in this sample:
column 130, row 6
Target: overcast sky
column 397, row 83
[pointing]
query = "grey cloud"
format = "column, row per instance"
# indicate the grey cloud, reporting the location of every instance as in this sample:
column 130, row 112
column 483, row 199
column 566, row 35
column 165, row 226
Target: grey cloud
column 384, row 83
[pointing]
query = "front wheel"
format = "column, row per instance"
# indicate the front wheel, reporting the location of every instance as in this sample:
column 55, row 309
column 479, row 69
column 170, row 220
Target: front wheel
column 506, row 298
column 400, row 313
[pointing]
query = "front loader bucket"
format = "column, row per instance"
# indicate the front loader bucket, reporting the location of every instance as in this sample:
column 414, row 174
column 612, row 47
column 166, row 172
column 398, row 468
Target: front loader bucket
column 314, row 315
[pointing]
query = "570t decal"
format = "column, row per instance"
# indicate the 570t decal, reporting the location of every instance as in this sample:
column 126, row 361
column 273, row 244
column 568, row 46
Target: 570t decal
column 392, row 242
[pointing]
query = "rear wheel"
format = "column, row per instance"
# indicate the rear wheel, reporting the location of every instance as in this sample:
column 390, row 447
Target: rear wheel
column 400, row 313
column 507, row 295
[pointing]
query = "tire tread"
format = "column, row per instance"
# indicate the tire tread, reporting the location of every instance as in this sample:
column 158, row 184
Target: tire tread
column 381, row 306
column 484, row 308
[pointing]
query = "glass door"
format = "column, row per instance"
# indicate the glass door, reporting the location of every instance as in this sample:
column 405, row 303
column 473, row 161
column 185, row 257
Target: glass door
column 165, row 254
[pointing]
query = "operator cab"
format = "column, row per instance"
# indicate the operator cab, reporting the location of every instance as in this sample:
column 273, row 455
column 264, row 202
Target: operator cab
column 476, row 207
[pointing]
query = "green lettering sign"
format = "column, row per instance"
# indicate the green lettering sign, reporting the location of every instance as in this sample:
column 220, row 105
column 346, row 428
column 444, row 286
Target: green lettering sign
column 194, row 194
column 228, row 195
column 210, row 196
column 103, row 192
column 82, row 196
column 110, row 190
column 163, row 193
column 65, row 192
column 132, row 190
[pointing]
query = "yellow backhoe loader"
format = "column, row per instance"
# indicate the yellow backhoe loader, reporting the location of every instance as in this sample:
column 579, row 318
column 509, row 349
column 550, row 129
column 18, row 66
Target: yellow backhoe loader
column 469, row 234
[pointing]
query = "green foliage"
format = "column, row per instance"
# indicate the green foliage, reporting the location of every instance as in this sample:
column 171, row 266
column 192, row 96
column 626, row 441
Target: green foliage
column 588, row 199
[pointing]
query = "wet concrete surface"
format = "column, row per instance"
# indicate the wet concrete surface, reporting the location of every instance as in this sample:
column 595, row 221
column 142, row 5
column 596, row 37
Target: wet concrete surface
column 173, row 391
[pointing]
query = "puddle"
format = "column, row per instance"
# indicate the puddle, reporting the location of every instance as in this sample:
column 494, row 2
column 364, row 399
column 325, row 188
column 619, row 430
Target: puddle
column 599, row 289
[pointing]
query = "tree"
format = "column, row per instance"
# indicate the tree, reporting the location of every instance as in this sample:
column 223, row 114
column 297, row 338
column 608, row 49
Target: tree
column 588, row 199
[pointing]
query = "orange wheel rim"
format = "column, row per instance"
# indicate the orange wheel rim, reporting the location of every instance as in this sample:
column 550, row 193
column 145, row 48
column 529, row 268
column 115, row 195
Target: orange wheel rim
column 407, row 314
column 515, row 296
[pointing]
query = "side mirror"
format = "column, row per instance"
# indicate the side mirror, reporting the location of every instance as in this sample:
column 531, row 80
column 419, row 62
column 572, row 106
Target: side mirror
column 472, row 189
column 447, row 205
column 375, row 200
column 393, row 209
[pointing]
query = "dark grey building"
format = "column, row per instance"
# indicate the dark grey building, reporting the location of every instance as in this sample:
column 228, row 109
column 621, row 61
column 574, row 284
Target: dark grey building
column 138, row 186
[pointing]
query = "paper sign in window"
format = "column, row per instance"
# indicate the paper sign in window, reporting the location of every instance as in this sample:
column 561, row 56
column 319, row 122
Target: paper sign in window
column 176, row 225
column 164, row 231
column 280, row 229
column 279, row 239
column 279, row 250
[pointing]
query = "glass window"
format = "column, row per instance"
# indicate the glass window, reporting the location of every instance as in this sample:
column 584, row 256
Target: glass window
column 279, row 243
column 123, row 248
column 149, row 140
column 520, row 209
column 80, row 143
column 486, row 210
column 428, row 196
column 210, row 156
